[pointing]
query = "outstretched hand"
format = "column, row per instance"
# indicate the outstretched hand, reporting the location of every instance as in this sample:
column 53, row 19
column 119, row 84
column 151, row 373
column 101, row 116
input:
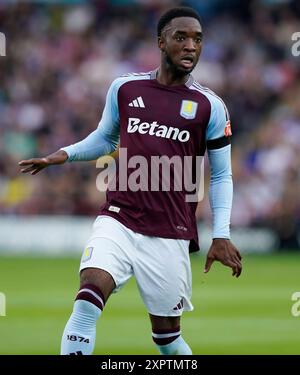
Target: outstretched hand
column 33, row 166
column 225, row 252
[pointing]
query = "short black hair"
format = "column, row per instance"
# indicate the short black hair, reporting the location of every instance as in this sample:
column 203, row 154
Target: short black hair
column 175, row 13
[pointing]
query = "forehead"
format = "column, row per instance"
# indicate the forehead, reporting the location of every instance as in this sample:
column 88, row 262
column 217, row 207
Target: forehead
column 187, row 24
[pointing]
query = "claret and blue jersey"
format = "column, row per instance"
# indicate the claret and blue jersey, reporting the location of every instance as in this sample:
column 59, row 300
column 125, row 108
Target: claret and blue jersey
column 150, row 119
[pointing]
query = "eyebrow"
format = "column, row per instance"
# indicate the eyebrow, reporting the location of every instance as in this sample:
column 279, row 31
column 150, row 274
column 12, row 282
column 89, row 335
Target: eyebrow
column 199, row 33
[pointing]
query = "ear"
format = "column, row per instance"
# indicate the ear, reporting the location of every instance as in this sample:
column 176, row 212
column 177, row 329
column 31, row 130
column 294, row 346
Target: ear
column 161, row 43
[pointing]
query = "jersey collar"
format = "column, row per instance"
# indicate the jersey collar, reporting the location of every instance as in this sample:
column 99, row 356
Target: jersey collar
column 188, row 83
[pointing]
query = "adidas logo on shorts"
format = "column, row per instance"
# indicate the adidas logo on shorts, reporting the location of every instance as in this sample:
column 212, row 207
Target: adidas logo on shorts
column 179, row 306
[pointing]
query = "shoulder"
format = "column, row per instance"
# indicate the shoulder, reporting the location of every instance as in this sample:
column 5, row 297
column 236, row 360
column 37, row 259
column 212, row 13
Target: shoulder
column 216, row 102
column 119, row 81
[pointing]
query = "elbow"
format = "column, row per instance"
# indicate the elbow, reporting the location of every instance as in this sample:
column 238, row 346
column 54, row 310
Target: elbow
column 221, row 177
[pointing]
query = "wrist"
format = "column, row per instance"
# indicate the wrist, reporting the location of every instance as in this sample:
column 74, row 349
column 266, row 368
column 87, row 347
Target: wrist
column 220, row 239
column 58, row 157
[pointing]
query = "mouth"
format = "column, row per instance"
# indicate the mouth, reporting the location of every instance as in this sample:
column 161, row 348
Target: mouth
column 187, row 61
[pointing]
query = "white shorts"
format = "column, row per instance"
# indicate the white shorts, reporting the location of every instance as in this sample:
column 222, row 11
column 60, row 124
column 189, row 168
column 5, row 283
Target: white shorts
column 161, row 266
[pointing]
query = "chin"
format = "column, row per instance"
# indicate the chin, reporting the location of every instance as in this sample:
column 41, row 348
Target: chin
column 179, row 69
column 183, row 70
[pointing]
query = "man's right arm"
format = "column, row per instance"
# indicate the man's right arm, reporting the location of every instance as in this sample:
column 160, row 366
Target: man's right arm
column 100, row 142
column 105, row 138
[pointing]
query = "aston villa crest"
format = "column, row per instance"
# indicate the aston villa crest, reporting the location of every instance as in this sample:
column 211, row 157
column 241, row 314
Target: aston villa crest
column 188, row 109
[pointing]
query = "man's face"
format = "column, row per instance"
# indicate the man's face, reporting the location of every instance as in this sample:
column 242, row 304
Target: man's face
column 181, row 43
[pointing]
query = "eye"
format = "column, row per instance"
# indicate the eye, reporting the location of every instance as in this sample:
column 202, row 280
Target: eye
column 198, row 40
column 179, row 38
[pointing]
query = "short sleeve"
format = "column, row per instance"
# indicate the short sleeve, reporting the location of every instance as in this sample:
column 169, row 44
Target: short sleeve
column 109, row 123
column 218, row 131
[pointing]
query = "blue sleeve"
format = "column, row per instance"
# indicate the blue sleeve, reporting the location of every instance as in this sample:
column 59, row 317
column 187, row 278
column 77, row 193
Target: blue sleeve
column 221, row 190
column 218, row 118
column 105, row 138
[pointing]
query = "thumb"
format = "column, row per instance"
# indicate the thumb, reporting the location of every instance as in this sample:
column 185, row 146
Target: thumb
column 209, row 262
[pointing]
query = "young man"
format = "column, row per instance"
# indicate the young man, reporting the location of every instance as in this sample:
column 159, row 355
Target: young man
column 149, row 233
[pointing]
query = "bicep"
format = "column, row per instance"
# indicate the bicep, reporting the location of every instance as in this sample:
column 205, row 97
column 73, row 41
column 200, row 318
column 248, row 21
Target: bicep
column 109, row 123
column 218, row 130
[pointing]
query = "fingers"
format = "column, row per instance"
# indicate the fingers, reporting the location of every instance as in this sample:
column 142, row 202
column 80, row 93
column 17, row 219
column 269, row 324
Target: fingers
column 27, row 162
column 33, row 166
column 28, row 169
column 225, row 252
column 32, row 169
column 37, row 161
column 236, row 267
column 209, row 262
column 36, row 170
column 236, row 262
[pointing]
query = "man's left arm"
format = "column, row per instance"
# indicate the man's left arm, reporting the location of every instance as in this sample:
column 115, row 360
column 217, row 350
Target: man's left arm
column 220, row 197
column 221, row 190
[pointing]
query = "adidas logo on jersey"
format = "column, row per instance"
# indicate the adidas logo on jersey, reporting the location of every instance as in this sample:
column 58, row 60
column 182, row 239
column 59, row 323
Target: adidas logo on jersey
column 154, row 129
column 138, row 103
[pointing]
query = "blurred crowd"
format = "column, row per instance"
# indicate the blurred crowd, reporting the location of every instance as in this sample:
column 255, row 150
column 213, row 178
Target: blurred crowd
column 61, row 59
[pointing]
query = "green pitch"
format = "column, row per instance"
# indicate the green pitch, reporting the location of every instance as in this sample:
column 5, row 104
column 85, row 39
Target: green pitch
column 250, row 315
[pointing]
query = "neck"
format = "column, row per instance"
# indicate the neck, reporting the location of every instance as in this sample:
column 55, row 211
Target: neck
column 169, row 76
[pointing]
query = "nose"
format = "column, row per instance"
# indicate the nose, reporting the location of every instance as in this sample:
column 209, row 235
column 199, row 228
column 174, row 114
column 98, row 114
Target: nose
column 190, row 45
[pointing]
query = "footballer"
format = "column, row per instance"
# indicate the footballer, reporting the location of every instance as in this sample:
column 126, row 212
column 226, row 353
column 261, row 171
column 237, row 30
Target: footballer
column 149, row 233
